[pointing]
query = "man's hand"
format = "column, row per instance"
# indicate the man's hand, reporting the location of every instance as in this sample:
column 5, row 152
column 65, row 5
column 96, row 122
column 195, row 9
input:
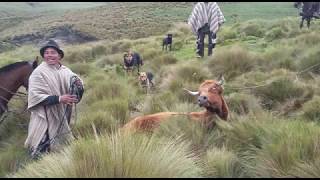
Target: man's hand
column 68, row 99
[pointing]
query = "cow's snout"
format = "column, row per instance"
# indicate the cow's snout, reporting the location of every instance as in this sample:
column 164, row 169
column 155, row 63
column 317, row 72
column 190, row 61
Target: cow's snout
column 202, row 100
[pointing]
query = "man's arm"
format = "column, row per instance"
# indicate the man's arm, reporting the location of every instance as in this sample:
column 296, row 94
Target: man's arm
column 50, row 100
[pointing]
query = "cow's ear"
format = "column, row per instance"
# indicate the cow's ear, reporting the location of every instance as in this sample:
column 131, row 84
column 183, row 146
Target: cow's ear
column 223, row 114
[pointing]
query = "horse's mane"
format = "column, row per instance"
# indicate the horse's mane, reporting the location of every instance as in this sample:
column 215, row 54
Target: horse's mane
column 12, row 66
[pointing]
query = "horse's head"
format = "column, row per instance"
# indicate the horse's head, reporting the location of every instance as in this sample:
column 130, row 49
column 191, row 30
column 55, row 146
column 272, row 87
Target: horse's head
column 27, row 71
column 210, row 97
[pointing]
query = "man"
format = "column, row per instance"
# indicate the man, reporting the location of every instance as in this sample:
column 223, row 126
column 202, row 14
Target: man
column 206, row 18
column 53, row 89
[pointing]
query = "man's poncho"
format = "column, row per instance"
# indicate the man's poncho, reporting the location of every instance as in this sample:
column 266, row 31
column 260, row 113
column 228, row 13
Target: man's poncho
column 47, row 80
column 206, row 13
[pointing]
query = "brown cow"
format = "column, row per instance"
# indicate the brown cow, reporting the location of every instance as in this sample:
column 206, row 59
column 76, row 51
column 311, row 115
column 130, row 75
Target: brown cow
column 209, row 97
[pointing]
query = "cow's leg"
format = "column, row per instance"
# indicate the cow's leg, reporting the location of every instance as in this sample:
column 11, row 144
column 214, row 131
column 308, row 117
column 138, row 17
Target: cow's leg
column 170, row 46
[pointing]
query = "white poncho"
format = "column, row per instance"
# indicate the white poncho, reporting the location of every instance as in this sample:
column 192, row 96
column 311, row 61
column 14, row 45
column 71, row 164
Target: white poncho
column 206, row 13
column 47, row 80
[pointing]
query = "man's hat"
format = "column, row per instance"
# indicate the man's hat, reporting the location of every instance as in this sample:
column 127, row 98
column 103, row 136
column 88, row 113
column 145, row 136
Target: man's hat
column 52, row 44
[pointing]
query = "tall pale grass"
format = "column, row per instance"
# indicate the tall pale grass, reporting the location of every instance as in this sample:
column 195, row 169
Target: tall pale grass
column 118, row 156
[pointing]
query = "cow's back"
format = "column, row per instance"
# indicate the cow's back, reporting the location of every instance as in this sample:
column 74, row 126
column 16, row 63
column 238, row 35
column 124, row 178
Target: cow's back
column 149, row 122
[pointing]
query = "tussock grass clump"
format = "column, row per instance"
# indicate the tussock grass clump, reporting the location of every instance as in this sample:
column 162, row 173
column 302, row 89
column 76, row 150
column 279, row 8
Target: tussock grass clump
column 164, row 60
column 192, row 72
column 242, row 103
column 150, row 53
column 227, row 33
column 81, row 68
column 117, row 108
column 251, row 29
column 309, row 39
column 221, row 163
column 183, row 27
column 113, row 59
column 12, row 155
column 200, row 137
column 159, row 103
column 310, row 62
column 279, row 90
column 82, row 56
column 106, row 89
column 290, row 145
column 101, row 119
column 272, row 147
column 311, row 109
column 121, row 46
column 284, row 56
column 245, row 135
column 307, row 169
column 231, row 62
column 118, row 156
column 275, row 33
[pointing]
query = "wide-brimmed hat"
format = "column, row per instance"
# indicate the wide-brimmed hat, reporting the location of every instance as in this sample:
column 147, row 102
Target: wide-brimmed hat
column 52, row 44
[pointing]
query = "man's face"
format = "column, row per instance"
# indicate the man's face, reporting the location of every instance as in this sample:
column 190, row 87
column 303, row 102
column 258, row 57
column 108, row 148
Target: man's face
column 51, row 56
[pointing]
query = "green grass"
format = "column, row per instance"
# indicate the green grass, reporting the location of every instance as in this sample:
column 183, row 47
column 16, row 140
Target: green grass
column 118, row 156
column 127, row 17
column 273, row 125
column 47, row 7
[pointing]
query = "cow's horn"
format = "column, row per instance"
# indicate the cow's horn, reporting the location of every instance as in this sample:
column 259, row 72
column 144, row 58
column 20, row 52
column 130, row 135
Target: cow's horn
column 221, row 80
column 192, row 93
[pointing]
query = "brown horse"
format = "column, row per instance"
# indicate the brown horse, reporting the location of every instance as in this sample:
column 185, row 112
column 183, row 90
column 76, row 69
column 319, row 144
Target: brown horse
column 12, row 77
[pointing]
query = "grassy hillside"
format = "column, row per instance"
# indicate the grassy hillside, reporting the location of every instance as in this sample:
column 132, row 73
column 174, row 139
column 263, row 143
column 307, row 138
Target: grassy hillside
column 130, row 19
column 16, row 11
column 272, row 93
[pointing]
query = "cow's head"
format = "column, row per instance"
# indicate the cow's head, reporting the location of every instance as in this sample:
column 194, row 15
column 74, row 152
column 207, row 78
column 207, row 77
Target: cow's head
column 210, row 97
